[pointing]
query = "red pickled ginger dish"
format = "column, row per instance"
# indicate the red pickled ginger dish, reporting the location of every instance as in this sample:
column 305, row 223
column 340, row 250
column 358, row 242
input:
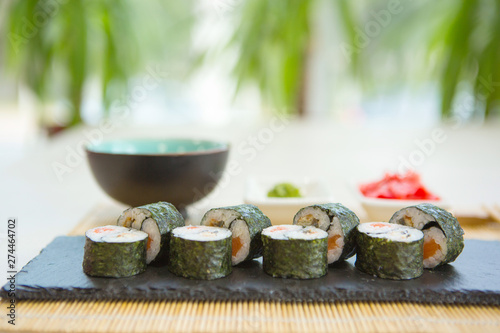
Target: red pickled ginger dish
column 394, row 186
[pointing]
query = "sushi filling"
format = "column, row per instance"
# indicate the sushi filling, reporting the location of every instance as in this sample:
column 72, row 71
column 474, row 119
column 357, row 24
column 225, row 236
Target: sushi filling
column 434, row 247
column 140, row 219
column 317, row 218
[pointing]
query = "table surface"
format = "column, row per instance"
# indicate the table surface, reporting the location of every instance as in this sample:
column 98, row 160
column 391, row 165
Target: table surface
column 463, row 168
column 250, row 316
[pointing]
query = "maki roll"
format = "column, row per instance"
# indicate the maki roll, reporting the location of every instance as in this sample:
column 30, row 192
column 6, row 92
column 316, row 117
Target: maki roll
column 246, row 222
column 157, row 220
column 200, row 252
column 113, row 251
column 389, row 251
column 338, row 221
column 443, row 235
column 292, row 251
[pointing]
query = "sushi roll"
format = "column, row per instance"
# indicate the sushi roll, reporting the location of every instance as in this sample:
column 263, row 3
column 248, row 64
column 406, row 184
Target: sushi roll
column 389, row 251
column 246, row 222
column 157, row 220
column 113, row 251
column 443, row 235
column 340, row 224
column 292, row 251
column 200, row 252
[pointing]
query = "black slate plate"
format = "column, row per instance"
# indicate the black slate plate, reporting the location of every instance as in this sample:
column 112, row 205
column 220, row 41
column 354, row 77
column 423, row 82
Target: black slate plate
column 56, row 274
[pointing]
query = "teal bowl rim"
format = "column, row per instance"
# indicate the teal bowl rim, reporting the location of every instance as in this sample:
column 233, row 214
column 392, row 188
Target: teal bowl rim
column 224, row 146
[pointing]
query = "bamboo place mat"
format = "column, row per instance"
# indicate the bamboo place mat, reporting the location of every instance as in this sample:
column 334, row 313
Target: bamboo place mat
column 255, row 316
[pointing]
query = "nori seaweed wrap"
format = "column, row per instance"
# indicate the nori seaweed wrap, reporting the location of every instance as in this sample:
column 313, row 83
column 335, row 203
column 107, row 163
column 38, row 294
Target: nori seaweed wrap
column 389, row 251
column 443, row 235
column 246, row 222
column 340, row 224
column 200, row 252
column 292, row 251
column 157, row 220
column 113, row 251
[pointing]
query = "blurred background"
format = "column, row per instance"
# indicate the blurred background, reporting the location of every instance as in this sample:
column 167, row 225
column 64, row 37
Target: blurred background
column 67, row 63
column 379, row 74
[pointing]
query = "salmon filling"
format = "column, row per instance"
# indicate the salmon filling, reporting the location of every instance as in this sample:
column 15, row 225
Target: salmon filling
column 237, row 245
column 378, row 225
column 430, row 248
column 309, row 219
column 332, row 242
column 435, row 247
column 103, row 229
column 215, row 223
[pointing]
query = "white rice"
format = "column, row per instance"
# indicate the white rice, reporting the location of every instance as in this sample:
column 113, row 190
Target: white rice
column 377, row 227
column 280, row 231
column 115, row 234
column 201, row 233
column 412, row 217
column 307, row 233
column 403, row 234
column 434, row 233
column 190, row 229
column 292, row 231
column 393, row 232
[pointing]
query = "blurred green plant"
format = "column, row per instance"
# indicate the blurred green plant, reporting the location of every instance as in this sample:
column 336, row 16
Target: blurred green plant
column 470, row 47
column 57, row 46
column 273, row 41
column 460, row 40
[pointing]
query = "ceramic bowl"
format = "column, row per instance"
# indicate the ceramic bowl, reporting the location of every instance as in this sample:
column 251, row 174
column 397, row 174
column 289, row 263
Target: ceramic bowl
column 142, row 171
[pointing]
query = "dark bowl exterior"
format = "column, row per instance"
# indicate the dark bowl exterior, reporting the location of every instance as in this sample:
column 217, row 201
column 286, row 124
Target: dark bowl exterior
column 141, row 179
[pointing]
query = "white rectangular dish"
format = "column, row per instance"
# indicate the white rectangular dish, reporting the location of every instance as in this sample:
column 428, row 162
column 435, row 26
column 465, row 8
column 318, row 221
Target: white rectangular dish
column 282, row 210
